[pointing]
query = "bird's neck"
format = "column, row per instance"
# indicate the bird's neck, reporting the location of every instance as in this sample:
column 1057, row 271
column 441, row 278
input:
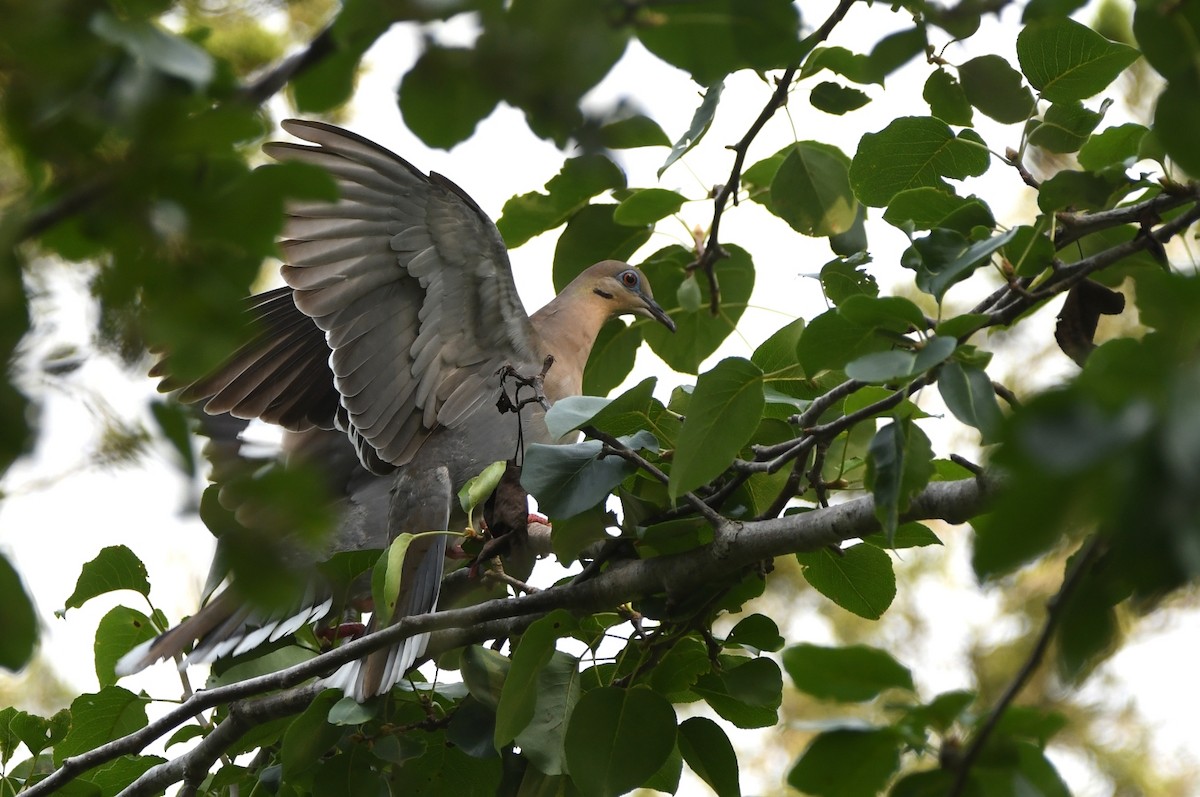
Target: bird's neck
column 567, row 328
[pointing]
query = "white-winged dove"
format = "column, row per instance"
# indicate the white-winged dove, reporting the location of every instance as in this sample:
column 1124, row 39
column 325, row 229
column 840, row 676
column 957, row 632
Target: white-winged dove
column 399, row 310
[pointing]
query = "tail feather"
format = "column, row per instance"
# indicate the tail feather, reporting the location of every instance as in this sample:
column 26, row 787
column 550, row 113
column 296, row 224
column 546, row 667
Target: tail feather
column 223, row 627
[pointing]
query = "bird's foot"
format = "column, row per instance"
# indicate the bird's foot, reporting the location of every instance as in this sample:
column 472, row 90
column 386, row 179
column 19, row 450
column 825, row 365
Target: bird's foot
column 342, row 631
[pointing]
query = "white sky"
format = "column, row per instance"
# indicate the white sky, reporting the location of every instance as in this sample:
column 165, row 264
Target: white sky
column 51, row 528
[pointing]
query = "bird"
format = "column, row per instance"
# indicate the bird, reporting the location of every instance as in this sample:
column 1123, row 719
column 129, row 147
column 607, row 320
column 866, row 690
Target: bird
column 381, row 357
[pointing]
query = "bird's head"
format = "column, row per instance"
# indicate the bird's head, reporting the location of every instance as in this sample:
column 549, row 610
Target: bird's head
column 625, row 289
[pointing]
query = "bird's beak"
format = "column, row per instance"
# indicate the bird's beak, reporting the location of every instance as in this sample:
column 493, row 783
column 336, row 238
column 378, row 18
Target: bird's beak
column 658, row 314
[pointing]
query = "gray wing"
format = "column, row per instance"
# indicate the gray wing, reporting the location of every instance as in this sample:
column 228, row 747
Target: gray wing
column 411, row 284
column 281, row 375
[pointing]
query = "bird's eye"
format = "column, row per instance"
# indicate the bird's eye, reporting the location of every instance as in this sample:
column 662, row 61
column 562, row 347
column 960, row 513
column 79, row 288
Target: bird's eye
column 629, row 279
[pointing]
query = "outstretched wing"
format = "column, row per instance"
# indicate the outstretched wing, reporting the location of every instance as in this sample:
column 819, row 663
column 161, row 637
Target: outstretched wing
column 410, row 282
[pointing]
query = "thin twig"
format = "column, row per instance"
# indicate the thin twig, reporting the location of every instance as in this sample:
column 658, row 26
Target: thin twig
column 713, row 251
column 1054, row 609
column 617, row 448
column 273, row 81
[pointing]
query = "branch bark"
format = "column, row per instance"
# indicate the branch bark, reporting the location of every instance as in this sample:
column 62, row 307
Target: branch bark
column 746, row 544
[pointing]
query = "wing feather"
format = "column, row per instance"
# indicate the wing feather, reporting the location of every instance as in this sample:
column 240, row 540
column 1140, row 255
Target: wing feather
column 398, row 236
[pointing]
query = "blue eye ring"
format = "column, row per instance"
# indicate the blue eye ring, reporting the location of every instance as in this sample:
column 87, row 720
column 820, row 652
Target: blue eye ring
column 630, row 279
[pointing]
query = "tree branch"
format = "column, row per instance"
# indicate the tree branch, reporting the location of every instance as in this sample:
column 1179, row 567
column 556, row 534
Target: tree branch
column 1068, row 276
column 713, row 251
column 1054, row 610
column 747, row 544
column 1073, row 226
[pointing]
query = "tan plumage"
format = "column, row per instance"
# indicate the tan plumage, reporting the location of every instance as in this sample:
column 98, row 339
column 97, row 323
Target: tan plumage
column 398, row 312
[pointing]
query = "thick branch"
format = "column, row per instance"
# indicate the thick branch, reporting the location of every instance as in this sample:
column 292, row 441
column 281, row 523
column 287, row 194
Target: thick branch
column 1068, row 276
column 1074, row 226
column 748, row 543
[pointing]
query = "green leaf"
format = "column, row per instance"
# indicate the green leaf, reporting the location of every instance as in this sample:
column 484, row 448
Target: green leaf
column 860, row 578
column 1175, row 118
column 479, row 487
column 572, row 536
column 1115, row 145
column 147, row 43
column 472, row 728
column 757, row 178
column 822, row 768
column 713, row 38
column 854, row 240
column 1167, row 35
column 387, row 575
column 1065, row 60
column 591, row 236
column 519, row 696
column 484, row 672
column 701, row 121
column 836, row 99
column 18, row 624
column 707, row 750
column 566, row 193
column 698, row 333
column 943, row 711
column 680, row 666
column 929, row 208
column 115, row 567
column 908, row 535
column 617, row 738
column 996, row 89
column 688, row 294
column 899, row 465
column 1030, row 251
column 442, row 98
column 897, row 49
column 756, row 631
column 893, row 313
column 97, row 718
column 1077, row 190
column 912, row 152
column 846, row 277
column 558, row 690
column 855, row 66
column 309, row 736
column 969, row 395
column 946, row 98
column 173, row 423
column 646, row 206
column 1041, row 9
column 945, row 257
column 850, row 674
column 544, row 58
column 567, row 479
column 119, row 631
column 725, row 410
column 115, row 776
column 888, row 366
column 811, row 190
column 748, row 694
column 1064, row 127
column 632, row 132
column 831, row 340
column 667, row 778
column 612, row 358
